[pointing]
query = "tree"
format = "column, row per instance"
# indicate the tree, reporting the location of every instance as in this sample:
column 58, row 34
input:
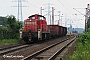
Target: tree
column 88, row 29
column 13, row 26
column 10, row 27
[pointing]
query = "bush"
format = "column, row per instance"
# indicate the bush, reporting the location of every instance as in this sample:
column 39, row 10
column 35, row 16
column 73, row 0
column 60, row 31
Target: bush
column 83, row 48
column 11, row 30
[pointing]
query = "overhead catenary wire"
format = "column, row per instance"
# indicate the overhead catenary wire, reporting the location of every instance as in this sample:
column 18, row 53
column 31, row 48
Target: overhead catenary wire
column 36, row 6
column 33, row 5
column 76, row 8
column 64, row 6
column 79, row 11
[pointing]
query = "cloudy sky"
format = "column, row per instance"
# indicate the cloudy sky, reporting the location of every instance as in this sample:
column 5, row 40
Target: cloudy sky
column 69, row 15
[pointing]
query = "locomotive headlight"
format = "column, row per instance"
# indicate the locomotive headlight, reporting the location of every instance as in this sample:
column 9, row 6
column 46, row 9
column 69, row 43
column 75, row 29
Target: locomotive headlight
column 30, row 20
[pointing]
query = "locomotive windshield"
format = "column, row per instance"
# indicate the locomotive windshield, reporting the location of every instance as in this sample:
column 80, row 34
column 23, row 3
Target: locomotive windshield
column 33, row 17
column 40, row 18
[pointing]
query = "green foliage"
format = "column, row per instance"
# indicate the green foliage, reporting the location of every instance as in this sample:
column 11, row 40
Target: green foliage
column 11, row 28
column 84, row 37
column 88, row 29
column 83, row 48
column 3, row 32
column 82, row 52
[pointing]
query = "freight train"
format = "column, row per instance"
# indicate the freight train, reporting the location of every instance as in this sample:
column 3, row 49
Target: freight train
column 36, row 28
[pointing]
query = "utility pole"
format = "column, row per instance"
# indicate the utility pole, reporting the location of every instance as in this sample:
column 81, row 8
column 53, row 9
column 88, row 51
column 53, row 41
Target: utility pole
column 61, row 20
column 59, row 17
column 50, row 19
column 49, row 13
column 19, row 16
column 87, row 16
column 53, row 15
column 41, row 10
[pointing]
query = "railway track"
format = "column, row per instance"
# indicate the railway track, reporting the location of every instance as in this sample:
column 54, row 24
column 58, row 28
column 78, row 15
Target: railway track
column 7, row 47
column 50, row 52
column 12, row 48
column 25, row 50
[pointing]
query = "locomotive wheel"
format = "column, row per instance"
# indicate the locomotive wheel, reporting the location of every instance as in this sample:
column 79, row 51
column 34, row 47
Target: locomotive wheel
column 25, row 37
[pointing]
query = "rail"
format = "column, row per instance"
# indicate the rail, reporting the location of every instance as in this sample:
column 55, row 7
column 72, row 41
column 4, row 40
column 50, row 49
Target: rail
column 10, row 49
column 41, row 51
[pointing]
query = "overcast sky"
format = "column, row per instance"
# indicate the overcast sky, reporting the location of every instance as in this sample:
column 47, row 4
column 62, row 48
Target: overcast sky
column 64, row 6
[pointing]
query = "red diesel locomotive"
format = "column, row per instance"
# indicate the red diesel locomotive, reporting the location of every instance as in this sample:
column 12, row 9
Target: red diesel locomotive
column 36, row 28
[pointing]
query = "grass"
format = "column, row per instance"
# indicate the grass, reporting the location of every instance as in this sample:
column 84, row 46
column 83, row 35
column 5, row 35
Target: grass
column 10, row 41
column 82, row 49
